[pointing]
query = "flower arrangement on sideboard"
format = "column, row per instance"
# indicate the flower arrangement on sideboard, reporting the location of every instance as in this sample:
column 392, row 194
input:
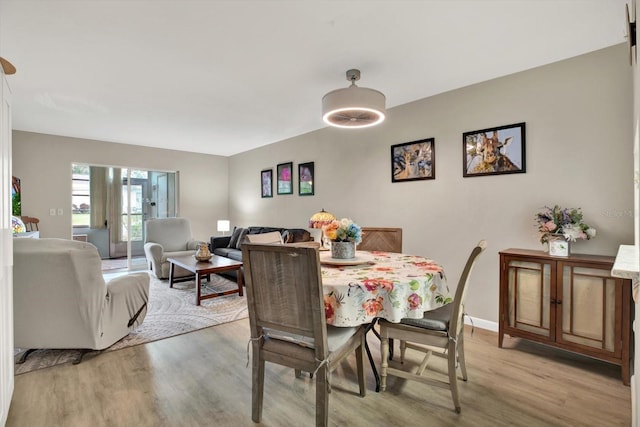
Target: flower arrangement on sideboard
column 562, row 222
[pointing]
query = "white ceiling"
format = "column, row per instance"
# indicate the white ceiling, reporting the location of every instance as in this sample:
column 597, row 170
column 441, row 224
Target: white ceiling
column 223, row 77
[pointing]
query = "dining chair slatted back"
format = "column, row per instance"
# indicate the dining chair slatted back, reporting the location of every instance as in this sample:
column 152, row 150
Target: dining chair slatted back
column 439, row 332
column 381, row 239
column 30, row 223
column 287, row 320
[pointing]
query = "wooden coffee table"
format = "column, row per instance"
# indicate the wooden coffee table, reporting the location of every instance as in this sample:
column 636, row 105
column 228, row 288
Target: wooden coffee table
column 216, row 264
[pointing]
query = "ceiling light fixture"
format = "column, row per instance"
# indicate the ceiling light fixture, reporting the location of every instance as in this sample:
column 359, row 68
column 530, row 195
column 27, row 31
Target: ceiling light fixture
column 353, row 107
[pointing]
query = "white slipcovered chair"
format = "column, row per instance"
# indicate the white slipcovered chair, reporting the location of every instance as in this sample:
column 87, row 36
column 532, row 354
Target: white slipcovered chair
column 61, row 301
column 166, row 238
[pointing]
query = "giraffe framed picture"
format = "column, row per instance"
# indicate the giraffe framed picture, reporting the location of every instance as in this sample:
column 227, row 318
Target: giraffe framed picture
column 494, row 151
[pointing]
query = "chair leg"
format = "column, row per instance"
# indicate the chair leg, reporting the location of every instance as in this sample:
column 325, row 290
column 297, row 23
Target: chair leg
column 298, row 373
column 403, row 350
column 24, row 356
column 453, row 377
column 360, row 367
column 384, row 361
column 258, row 385
column 463, row 367
column 322, row 397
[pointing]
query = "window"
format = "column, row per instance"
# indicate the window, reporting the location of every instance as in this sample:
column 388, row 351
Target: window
column 80, row 195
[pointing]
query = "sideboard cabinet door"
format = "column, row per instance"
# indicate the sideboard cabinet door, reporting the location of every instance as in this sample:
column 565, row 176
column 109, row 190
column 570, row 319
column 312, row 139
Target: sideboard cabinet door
column 570, row 302
column 527, row 289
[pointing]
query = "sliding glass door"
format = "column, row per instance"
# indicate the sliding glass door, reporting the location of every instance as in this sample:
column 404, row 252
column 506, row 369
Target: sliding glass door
column 110, row 205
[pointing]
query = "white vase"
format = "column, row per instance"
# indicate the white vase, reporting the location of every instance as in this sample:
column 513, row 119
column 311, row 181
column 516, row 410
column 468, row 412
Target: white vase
column 558, row 247
column 343, row 250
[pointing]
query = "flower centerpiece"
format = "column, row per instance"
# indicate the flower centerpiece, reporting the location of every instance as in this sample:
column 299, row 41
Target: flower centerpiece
column 344, row 235
column 561, row 224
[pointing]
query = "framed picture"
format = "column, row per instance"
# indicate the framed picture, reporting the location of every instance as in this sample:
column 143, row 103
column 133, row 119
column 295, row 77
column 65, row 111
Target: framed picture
column 266, row 181
column 305, row 179
column 285, row 178
column 494, row 151
column 413, row 161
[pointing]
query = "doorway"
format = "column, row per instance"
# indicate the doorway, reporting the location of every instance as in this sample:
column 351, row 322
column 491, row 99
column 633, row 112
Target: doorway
column 110, row 205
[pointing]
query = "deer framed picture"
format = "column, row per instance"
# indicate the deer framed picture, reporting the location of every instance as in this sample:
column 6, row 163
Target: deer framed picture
column 494, row 151
column 412, row 161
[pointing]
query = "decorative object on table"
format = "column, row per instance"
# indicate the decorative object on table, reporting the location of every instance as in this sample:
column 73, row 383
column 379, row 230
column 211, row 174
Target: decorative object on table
column 344, row 235
column 223, row 225
column 17, row 226
column 266, row 179
column 413, row 161
column 319, row 220
column 353, row 107
column 285, row 178
column 305, row 179
column 203, row 253
column 494, row 151
column 557, row 227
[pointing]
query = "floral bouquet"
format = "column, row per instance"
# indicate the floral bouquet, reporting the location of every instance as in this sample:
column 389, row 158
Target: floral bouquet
column 562, row 222
column 343, row 230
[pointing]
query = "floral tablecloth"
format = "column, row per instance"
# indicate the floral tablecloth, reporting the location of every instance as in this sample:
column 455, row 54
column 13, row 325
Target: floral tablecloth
column 392, row 286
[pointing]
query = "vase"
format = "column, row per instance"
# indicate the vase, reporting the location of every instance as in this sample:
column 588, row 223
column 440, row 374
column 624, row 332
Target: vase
column 203, row 253
column 558, row 246
column 343, row 250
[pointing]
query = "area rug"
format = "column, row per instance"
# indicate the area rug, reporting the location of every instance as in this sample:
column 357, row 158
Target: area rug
column 171, row 312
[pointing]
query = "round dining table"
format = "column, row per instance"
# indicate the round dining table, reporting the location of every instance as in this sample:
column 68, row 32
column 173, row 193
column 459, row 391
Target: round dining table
column 375, row 285
column 385, row 285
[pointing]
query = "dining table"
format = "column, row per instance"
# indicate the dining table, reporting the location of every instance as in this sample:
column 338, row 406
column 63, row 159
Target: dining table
column 375, row 285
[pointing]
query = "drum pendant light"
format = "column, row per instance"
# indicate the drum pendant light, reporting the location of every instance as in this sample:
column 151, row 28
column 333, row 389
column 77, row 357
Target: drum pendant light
column 353, row 107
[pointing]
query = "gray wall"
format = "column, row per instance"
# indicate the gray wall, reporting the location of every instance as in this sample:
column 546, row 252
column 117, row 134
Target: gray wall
column 43, row 163
column 579, row 152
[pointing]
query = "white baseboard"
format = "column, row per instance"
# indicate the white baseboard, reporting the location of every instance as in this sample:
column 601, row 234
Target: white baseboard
column 481, row 323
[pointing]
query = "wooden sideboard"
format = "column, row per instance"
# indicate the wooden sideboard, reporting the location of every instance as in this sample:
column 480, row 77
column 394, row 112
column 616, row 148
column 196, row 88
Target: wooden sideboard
column 572, row 303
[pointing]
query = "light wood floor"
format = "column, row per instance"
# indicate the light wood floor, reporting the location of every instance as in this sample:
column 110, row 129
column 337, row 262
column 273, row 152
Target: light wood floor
column 200, row 379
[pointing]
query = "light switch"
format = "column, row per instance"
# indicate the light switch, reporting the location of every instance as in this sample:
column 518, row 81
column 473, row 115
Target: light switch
column 59, row 211
column 52, row 212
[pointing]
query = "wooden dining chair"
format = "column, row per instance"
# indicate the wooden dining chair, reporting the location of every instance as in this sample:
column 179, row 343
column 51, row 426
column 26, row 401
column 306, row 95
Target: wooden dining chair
column 287, row 321
column 439, row 332
column 381, row 239
column 30, row 223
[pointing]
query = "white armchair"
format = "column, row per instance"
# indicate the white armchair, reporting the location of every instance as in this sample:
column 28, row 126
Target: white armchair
column 61, row 301
column 166, row 238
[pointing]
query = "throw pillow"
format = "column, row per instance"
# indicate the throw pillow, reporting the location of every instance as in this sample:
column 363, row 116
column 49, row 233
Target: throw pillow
column 241, row 238
column 265, row 238
column 233, row 242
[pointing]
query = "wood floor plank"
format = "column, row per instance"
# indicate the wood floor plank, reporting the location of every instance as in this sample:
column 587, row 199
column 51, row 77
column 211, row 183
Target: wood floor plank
column 201, row 379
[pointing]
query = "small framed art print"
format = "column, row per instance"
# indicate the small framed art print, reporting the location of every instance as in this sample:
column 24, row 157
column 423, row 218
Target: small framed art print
column 285, row 178
column 266, row 180
column 305, row 179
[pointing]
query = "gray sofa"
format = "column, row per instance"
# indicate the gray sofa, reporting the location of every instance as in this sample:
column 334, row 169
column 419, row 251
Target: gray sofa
column 230, row 246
